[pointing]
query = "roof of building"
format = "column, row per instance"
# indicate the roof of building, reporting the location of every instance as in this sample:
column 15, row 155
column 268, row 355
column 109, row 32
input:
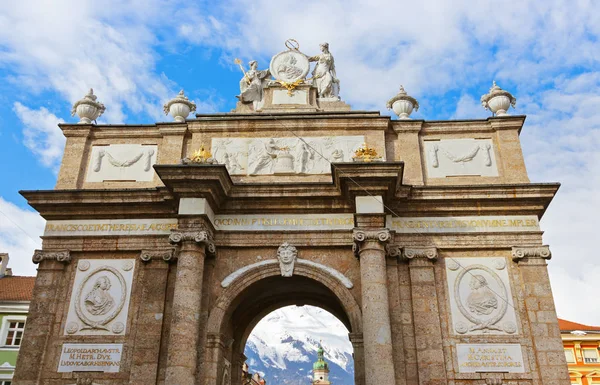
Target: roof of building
column 16, row 288
column 567, row 326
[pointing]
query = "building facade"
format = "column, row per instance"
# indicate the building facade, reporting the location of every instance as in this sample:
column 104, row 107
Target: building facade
column 15, row 294
column 166, row 243
column 581, row 344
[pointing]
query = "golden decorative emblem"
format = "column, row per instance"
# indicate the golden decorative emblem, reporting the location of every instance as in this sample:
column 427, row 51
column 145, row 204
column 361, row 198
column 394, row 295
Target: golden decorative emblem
column 201, row 156
column 365, row 154
column 290, row 86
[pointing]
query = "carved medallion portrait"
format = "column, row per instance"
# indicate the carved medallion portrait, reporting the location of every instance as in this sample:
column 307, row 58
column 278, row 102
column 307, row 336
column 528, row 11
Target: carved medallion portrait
column 287, row 254
column 289, row 66
column 100, row 297
column 480, row 296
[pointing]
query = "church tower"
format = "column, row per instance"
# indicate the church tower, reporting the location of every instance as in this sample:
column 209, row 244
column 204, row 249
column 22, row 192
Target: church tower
column 320, row 369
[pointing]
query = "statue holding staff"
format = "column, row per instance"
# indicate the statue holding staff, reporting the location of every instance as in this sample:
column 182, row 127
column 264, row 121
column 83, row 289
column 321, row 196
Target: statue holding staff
column 252, row 84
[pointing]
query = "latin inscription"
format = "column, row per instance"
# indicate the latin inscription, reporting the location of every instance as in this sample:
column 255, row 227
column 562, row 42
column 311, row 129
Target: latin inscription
column 101, row 227
column 90, row 358
column 490, row 358
column 484, row 224
column 284, row 222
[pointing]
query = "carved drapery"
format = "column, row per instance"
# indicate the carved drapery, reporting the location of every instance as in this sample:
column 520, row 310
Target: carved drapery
column 63, row 256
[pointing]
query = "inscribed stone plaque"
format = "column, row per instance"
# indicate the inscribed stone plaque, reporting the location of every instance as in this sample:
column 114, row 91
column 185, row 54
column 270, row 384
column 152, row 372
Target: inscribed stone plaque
column 474, row 358
column 296, row 97
column 90, row 358
column 460, row 157
column 125, row 162
column 480, row 296
column 102, row 227
column 276, row 222
column 100, row 297
column 469, row 224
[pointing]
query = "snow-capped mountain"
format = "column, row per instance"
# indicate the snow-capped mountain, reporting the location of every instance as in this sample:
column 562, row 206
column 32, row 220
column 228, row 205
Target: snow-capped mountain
column 283, row 346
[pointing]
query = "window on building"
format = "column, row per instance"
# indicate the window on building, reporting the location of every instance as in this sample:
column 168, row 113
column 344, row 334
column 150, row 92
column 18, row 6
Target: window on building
column 5, row 382
column 14, row 332
column 570, row 355
column 590, row 356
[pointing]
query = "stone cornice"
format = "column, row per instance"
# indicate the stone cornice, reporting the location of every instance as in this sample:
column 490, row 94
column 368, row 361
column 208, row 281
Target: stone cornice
column 214, row 184
column 63, row 256
column 533, row 252
column 200, row 237
column 167, row 255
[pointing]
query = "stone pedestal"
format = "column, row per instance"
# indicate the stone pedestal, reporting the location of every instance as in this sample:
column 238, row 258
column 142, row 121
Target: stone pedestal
column 541, row 314
column 183, row 340
column 426, row 315
column 377, row 334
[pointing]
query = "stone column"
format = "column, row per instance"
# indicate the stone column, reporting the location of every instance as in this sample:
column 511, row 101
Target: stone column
column 541, row 314
column 146, row 350
column 358, row 347
column 426, row 315
column 185, row 323
column 377, row 334
column 41, row 318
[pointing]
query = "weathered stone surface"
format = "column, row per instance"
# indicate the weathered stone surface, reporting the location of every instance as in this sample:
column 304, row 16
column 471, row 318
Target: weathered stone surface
column 184, row 327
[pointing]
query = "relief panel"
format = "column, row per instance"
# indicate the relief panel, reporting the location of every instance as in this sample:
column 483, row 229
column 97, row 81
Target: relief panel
column 480, row 296
column 460, row 157
column 285, row 156
column 131, row 162
column 100, row 297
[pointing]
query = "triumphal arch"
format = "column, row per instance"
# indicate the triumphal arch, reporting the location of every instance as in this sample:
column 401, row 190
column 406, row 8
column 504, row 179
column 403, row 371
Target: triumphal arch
column 166, row 243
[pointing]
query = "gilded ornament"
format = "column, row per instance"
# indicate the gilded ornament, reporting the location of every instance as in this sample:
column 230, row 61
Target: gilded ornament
column 366, row 154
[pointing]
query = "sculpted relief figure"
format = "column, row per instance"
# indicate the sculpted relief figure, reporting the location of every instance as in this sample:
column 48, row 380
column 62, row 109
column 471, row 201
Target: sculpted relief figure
column 324, row 78
column 99, row 301
column 287, row 254
column 482, row 300
column 263, row 161
column 252, row 84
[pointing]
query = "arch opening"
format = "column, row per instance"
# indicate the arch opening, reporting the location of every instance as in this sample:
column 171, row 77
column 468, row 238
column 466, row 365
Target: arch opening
column 259, row 292
column 283, row 347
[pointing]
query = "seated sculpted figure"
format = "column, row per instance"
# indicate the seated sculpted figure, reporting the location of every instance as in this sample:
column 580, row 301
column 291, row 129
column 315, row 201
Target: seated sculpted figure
column 328, row 86
column 252, row 84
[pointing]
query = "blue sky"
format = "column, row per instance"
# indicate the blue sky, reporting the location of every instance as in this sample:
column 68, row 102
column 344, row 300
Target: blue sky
column 138, row 54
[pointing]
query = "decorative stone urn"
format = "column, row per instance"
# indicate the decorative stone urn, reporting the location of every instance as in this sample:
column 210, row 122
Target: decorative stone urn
column 498, row 101
column 179, row 107
column 87, row 108
column 403, row 104
column 284, row 162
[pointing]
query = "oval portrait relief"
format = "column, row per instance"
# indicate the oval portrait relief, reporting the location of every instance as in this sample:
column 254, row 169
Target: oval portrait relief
column 481, row 297
column 289, row 66
column 100, row 297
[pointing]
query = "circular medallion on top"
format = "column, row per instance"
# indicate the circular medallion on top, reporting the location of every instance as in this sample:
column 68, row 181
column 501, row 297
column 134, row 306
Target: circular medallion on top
column 289, row 66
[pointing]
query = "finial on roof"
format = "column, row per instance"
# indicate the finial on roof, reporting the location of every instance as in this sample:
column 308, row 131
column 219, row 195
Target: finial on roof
column 402, row 104
column 87, row 108
column 498, row 100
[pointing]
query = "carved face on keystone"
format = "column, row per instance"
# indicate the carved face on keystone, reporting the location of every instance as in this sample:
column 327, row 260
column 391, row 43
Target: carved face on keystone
column 287, row 253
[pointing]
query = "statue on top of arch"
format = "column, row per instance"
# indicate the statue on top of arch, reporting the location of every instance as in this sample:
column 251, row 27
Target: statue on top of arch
column 289, row 70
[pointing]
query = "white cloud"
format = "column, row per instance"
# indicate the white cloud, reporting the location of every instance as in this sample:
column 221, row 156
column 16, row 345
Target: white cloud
column 42, row 134
column 433, row 47
column 19, row 236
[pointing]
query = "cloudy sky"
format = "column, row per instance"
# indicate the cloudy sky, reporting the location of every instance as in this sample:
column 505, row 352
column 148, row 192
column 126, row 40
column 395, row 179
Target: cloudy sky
column 137, row 54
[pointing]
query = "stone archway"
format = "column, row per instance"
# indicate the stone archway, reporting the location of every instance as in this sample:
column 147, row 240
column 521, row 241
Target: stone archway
column 257, row 292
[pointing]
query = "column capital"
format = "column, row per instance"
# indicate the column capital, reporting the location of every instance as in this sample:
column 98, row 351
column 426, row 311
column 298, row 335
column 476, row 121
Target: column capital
column 356, row 339
column 393, row 250
column 167, row 255
column 520, row 254
column 200, row 237
column 420, row 255
column 63, row 256
column 362, row 236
